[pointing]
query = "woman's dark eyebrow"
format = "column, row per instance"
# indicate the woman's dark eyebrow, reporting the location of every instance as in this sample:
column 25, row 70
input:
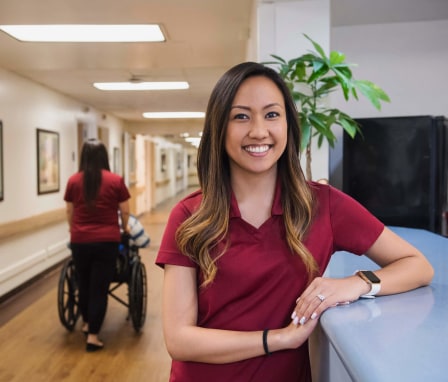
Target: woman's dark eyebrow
column 272, row 104
column 240, row 107
column 248, row 108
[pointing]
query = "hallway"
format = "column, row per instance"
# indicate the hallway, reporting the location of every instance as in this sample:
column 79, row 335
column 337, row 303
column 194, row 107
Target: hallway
column 36, row 347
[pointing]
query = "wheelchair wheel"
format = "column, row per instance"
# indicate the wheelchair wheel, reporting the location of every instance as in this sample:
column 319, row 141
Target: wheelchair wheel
column 137, row 295
column 68, row 307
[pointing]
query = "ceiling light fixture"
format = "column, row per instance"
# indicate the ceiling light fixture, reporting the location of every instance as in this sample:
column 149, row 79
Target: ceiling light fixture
column 175, row 114
column 85, row 33
column 193, row 140
column 135, row 85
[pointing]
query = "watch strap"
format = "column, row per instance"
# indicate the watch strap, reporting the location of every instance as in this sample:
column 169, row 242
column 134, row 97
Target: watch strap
column 374, row 287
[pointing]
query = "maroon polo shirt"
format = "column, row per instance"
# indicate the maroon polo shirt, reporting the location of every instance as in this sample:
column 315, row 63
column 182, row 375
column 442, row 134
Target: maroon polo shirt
column 101, row 225
column 259, row 279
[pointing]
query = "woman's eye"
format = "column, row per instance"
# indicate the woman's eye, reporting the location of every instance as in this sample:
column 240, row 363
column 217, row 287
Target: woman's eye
column 272, row 114
column 240, row 116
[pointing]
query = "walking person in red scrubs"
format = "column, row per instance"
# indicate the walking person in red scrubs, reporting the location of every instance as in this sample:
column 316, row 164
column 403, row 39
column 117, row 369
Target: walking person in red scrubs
column 94, row 196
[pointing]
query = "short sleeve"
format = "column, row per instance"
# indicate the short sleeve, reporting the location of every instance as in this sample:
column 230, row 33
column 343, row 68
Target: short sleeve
column 123, row 192
column 68, row 195
column 354, row 228
column 169, row 252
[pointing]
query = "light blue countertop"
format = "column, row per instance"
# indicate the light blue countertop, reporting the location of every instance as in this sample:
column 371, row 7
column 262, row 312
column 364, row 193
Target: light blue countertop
column 401, row 337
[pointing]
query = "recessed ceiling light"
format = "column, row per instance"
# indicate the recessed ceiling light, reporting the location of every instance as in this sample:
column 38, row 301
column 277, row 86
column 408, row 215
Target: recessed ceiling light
column 141, row 85
column 85, row 33
column 175, row 114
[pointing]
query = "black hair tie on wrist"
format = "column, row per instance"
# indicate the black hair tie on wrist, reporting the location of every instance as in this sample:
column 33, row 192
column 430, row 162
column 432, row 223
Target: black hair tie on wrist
column 265, row 342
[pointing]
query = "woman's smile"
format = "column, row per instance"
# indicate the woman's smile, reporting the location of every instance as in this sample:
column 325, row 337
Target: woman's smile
column 257, row 149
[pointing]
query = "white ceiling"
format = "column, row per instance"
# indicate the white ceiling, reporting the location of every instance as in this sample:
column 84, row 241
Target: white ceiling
column 204, row 38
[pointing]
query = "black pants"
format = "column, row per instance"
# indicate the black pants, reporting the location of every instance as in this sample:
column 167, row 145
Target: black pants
column 95, row 267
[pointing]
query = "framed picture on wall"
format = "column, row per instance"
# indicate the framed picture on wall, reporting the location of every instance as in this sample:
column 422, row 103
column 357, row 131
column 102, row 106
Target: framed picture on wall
column 47, row 161
column 1, row 161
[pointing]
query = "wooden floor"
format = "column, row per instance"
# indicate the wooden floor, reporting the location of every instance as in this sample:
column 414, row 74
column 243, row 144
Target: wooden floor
column 35, row 347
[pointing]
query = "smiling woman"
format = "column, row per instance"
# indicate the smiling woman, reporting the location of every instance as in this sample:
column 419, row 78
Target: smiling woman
column 258, row 230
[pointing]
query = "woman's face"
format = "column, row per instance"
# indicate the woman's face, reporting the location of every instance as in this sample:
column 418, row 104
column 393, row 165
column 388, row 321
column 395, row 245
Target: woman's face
column 257, row 130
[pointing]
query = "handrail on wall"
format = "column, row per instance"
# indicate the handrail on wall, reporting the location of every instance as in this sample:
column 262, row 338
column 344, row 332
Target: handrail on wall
column 32, row 223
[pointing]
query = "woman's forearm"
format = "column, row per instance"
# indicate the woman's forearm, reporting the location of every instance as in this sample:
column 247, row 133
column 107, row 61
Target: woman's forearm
column 215, row 346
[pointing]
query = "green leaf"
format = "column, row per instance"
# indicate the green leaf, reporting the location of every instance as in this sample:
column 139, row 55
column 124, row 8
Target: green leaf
column 319, row 70
column 345, row 71
column 372, row 92
column 350, row 128
column 319, row 121
column 317, row 47
column 305, row 128
column 278, row 58
column 342, row 74
column 320, row 139
column 306, row 58
column 380, row 92
column 318, row 65
column 299, row 72
column 345, row 90
column 327, row 86
column 336, row 58
column 328, row 136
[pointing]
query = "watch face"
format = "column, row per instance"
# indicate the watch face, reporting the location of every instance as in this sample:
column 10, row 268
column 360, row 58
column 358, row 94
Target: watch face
column 372, row 277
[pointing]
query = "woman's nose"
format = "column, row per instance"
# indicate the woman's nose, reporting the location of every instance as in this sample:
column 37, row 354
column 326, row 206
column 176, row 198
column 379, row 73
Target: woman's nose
column 258, row 128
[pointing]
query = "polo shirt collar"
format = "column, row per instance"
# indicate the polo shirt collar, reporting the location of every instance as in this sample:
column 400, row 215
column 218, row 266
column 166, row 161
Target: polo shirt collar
column 277, row 208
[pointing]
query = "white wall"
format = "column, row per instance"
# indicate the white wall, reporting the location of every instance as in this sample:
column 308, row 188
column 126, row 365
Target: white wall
column 24, row 107
column 408, row 60
column 280, row 28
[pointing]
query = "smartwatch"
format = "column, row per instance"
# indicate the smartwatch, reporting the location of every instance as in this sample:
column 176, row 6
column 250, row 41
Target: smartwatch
column 372, row 279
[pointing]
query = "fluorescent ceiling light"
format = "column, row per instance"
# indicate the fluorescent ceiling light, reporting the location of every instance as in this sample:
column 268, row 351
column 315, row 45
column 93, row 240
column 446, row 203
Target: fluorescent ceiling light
column 175, row 114
column 85, row 33
column 194, row 141
column 141, row 85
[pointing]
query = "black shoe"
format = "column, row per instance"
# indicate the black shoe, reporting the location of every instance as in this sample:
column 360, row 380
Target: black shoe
column 93, row 347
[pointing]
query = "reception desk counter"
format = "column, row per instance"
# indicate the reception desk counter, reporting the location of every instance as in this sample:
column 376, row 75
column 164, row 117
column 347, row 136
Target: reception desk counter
column 395, row 338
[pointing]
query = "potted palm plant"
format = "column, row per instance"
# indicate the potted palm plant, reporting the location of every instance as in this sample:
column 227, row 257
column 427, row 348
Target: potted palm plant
column 311, row 78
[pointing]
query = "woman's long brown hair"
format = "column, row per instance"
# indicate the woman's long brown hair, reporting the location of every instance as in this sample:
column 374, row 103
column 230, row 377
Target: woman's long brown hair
column 94, row 159
column 201, row 232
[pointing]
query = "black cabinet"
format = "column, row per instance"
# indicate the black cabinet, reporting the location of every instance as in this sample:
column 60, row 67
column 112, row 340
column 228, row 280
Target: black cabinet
column 398, row 169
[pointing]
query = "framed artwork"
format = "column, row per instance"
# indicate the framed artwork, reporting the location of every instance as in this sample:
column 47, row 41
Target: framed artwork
column 1, row 161
column 47, row 161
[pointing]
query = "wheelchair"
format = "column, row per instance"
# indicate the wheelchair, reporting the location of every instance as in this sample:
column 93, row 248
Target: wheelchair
column 129, row 270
